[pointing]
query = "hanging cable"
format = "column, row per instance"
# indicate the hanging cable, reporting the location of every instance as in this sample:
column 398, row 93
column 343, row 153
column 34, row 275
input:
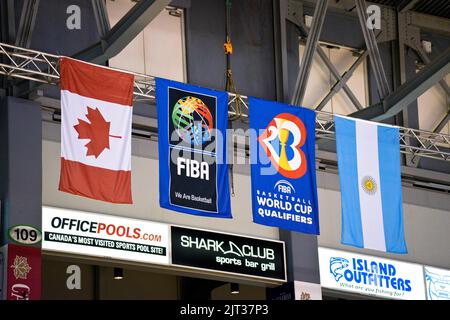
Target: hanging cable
column 230, row 87
column 228, row 49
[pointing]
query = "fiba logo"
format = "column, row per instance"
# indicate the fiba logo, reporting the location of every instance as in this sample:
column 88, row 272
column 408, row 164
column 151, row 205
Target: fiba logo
column 192, row 120
column 281, row 140
column 284, row 186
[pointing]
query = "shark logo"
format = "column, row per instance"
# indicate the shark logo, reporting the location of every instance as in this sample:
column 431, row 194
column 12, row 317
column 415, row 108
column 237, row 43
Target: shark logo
column 234, row 249
column 336, row 266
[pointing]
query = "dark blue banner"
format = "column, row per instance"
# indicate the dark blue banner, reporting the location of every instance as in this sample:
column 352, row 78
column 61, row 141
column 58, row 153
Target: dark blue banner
column 284, row 189
column 192, row 123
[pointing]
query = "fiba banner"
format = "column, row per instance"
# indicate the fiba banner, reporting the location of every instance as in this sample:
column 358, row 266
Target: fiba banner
column 192, row 123
column 96, row 108
column 284, row 190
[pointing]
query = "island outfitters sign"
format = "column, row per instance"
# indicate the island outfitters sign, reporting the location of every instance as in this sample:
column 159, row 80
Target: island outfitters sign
column 437, row 283
column 228, row 253
column 370, row 275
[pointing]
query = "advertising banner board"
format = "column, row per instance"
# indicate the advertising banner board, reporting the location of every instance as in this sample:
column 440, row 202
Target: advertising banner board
column 105, row 236
column 228, row 253
column 23, row 268
column 437, row 283
column 370, row 275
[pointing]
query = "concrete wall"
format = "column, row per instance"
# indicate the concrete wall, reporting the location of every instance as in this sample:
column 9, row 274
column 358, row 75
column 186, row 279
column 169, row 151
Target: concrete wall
column 252, row 37
column 137, row 285
column 145, row 190
column 245, row 293
column 427, row 218
column 54, row 278
column 426, row 213
column 426, row 225
column 20, row 164
column 100, row 284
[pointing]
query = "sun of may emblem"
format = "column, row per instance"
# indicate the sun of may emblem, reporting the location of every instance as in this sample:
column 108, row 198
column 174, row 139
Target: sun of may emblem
column 369, row 185
column 21, row 267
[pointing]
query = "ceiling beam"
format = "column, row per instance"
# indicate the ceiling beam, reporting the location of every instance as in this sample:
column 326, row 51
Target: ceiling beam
column 442, row 123
column 333, row 70
column 430, row 23
column 308, row 54
column 406, row 5
column 426, row 59
column 27, row 22
column 123, row 32
column 101, row 17
column 409, row 91
column 374, row 52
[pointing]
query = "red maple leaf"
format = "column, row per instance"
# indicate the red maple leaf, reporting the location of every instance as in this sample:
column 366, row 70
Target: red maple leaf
column 97, row 131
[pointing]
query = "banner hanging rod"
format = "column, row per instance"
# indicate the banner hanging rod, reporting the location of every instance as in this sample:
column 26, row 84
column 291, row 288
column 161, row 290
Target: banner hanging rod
column 43, row 67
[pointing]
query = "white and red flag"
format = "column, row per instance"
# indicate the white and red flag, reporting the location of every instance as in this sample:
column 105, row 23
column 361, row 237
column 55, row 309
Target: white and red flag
column 97, row 109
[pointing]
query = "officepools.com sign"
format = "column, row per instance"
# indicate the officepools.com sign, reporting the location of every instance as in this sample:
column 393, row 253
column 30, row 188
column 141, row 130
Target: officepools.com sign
column 371, row 275
column 104, row 236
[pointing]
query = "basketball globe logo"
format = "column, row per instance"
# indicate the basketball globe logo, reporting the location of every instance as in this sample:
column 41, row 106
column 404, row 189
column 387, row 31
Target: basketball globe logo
column 281, row 140
column 192, row 120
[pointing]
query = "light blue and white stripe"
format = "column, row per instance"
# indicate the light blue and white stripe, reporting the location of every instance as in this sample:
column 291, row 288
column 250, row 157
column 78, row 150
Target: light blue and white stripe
column 371, row 192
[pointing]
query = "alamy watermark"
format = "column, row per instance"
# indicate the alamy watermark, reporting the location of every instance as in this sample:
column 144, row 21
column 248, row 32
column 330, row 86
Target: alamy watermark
column 374, row 17
column 73, row 21
column 194, row 160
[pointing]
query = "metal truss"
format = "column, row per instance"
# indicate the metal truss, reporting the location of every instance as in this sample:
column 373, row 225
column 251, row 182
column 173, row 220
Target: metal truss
column 44, row 68
column 428, row 144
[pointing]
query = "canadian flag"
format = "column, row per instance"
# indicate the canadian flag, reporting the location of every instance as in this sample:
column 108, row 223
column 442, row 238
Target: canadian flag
column 96, row 117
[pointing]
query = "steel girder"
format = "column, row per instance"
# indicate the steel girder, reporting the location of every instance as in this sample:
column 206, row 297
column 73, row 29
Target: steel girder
column 43, row 67
column 341, row 82
column 307, row 60
column 409, row 91
column 101, row 17
column 374, row 53
column 442, row 123
column 27, row 23
column 424, row 57
column 8, row 23
column 406, row 5
column 123, row 32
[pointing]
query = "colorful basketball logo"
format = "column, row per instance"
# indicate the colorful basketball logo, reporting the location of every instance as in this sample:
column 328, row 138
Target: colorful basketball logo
column 192, row 120
column 281, row 140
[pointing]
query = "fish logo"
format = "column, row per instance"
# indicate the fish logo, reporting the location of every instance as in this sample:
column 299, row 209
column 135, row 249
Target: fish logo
column 438, row 286
column 337, row 264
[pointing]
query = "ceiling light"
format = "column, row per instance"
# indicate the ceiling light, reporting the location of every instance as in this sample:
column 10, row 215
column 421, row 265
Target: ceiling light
column 234, row 288
column 118, row 273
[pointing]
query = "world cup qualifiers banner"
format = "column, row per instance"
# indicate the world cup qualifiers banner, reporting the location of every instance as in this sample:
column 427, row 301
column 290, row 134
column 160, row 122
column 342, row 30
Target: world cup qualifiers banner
column 284, row 191
column 193, row 175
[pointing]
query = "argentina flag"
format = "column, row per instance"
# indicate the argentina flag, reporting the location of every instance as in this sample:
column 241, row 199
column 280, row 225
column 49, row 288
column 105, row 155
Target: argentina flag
column 371, row 192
